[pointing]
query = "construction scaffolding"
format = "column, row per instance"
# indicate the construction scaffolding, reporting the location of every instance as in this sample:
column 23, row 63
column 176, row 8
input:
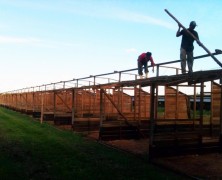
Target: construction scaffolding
column 119, row 108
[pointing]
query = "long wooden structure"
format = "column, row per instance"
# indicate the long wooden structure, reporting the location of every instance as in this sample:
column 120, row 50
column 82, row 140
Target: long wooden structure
column 124, row 109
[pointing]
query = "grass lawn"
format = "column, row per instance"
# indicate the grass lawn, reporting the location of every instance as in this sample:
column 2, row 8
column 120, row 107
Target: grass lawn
column 30, row 150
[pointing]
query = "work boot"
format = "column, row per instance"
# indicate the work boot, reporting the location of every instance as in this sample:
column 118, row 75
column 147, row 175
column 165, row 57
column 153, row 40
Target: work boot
column 146, row 75
column 141, row 77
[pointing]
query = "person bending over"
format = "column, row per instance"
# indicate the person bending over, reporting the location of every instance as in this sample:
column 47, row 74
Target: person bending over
column 142, row 63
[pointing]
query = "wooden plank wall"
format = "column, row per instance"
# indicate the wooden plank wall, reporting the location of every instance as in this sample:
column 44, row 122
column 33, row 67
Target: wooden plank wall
column 21, row 101
column 63, row 101
column 142, row 104
column 123, row 100
column 37, row 103
column 176, row 104
column 215, row 103
column 49, row 101
column 86, row 102
column 29, row 102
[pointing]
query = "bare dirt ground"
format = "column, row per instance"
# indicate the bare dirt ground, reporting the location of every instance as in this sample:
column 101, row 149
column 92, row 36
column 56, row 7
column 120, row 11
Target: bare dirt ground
column 138, row 147
column 205, row 166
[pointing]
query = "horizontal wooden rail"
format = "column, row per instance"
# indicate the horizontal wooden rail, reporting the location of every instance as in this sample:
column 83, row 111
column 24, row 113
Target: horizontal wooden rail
column 76, row 80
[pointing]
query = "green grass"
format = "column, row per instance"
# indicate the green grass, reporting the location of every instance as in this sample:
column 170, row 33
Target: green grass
column 30, row 150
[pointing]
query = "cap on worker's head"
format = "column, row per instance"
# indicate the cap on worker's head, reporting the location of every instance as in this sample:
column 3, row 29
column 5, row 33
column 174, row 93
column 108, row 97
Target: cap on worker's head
column 193, row 24
column 148, row 54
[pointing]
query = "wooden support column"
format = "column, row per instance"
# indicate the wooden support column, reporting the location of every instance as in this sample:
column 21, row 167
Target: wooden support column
column 42, row 107
column 82, row 102
column 220, row 115
column 177, row 99
column 157, row 93
column 54, row 103
column 211, row 109
column 16, row 99
column 119, row 105
column 152, row 119
column 94, row 96
column 73, row 105
column 156, row 102
column 194, row 104
column 42, row 104
column 201, row 114
column 26, row 102
column 121, row 99
column 90, row 102
column 20, row 101
column 139, row 105
column 177, row 102
column 101, row 111
column 135, row 104
column 33, row 101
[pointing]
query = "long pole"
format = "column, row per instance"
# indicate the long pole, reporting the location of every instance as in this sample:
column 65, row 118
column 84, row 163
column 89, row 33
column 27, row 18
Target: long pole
column 198, row 41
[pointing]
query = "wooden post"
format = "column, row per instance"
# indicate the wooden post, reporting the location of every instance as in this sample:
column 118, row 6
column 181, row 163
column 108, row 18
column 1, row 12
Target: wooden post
column 157, row 95
column 152, row 119
column 54, row 103
column 211, row 108
column 194, row 104
column 119, row 95
column 101, row 112
column 177, row 102
column 94, row 95
column 26, row 102
column 177, row 98
column 139, row 105
column 201, row 114
column 33, row 100
column 82, row 102
column 220, row 116
column 42, row 107
column 73, row 105
column 134, row 103
column 16, row 99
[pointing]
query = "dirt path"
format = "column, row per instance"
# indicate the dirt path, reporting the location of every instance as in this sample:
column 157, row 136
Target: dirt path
column 205, row 166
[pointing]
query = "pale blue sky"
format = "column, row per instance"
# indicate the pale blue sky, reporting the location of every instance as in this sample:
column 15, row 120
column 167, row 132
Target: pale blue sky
column 44, row 41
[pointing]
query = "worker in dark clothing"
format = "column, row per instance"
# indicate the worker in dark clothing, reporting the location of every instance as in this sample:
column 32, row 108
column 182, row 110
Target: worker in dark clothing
column 142, row 63
column 186, row 49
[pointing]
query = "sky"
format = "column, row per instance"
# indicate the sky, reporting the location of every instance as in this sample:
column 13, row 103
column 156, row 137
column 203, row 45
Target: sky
column 46, row 41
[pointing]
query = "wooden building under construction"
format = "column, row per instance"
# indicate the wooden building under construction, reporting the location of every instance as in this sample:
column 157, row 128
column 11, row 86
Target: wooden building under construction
column 129, row 109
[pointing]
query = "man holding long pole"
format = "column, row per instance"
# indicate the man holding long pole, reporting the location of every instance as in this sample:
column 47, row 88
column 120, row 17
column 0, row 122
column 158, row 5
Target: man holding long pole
column 186, row 49
column 197, row 40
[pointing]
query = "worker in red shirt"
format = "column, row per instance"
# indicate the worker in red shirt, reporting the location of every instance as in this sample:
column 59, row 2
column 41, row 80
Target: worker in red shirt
column 142, row 63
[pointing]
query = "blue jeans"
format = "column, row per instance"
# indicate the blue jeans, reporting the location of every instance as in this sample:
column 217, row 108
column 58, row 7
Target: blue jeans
column 186, row 56
column 141, row 66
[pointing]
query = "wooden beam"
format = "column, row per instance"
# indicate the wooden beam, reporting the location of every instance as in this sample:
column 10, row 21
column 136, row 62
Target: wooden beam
column 64, row 102
column 118, row 110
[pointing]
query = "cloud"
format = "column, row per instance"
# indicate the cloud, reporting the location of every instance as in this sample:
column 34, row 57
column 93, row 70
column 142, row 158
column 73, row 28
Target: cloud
column 140, row 18
column 122, row 15
column 113, row 12
column 99, row 10
column 18, row 40
column 30, row 41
